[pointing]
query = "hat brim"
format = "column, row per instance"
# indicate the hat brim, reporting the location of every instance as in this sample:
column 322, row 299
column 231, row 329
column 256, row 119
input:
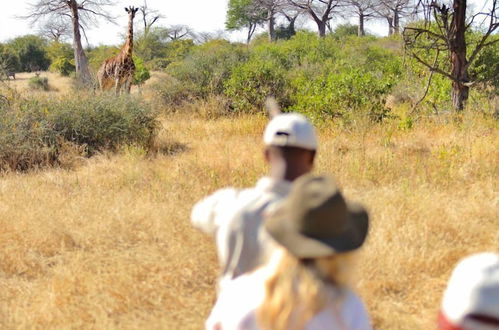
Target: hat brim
column 280, row 227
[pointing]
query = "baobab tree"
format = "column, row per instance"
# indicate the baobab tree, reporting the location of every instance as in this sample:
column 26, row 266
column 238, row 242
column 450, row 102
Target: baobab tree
column 82, row 14
column 321, row 11
column 445, row 31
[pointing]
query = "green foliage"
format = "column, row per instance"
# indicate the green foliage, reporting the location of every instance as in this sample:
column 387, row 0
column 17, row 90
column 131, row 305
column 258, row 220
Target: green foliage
column 31, row 52
column 56, row 50
column 345, row 30
column 39, row 83
column 9, row 62
column 62, row 58
column 63, row 66
column 284, row 32
column 151, row 44
column 358, row 79
column 141, row 72
column 203, row 72
column 242, row 13
column 34, row 132
column 485, row 69
column 251, row 82
column 158, row 51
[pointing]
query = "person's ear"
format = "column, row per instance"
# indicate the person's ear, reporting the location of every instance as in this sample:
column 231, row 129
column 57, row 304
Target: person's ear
column 266, row 155
column 312, row 157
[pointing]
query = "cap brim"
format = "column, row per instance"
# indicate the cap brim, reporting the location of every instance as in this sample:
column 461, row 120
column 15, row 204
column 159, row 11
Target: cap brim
column 280, row 227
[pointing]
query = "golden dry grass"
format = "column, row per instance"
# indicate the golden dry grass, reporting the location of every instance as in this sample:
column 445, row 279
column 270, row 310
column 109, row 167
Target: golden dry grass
column 58, row 84
column 109, row 244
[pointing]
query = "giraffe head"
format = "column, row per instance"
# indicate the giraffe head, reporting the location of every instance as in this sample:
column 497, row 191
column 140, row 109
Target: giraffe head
column 131, row 10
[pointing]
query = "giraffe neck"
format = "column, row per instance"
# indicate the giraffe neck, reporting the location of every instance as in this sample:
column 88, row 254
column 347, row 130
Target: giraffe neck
column 128, row 49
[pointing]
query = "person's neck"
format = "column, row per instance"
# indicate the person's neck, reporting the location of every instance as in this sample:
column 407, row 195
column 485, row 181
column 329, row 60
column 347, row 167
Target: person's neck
column 285, row 174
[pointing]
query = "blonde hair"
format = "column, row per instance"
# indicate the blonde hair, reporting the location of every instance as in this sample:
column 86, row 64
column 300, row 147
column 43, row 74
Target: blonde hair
column 296, row 290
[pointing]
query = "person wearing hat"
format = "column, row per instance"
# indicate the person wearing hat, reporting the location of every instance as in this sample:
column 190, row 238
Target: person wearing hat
column 303, row 286
column 471, row 300
column 233, row 216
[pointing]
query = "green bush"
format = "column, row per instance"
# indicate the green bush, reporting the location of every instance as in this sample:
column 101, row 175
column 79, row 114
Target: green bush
column 141, row 74
column 63, row 66
column 31, row 53
column 39, row 83
column 202, row 73
column 252, row 82
column 35, row 132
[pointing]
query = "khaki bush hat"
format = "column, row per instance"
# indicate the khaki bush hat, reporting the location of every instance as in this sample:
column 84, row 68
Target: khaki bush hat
column 316, row 221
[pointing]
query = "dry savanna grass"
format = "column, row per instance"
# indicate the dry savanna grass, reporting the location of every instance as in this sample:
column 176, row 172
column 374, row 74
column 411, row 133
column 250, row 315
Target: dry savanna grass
column 109, row 244
column 57, row 83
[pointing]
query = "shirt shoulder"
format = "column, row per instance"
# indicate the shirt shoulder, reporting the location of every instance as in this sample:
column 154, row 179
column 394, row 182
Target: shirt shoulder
column 232, row 312
column 355, row 312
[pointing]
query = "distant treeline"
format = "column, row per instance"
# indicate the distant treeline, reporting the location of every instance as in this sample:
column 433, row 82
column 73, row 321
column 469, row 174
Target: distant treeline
column 324, row 77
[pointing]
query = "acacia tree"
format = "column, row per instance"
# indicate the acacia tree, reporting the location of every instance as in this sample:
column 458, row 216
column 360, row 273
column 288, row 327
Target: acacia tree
column 364, row 10
column 82, row 14
column 244, row 14
column 321, row 11
column 444, row 31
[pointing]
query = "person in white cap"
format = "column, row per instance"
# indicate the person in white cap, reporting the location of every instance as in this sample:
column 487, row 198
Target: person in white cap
column 234, row 216
column 471, row 300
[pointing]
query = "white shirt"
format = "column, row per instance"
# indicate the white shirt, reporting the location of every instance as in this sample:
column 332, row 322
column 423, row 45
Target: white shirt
column 234, row 217
column 239, row 300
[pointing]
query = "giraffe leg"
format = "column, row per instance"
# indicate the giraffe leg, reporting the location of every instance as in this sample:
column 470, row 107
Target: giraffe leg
column 128, row 85
column 117, row 86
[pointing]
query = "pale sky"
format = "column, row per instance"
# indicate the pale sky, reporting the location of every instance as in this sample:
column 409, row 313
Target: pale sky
column 200, row 15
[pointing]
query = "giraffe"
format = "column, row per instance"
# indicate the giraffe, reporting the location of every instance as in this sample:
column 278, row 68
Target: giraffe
column 119, row 70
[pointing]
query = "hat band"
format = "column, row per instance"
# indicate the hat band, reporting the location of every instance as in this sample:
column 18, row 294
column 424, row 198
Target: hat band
column 445, row 324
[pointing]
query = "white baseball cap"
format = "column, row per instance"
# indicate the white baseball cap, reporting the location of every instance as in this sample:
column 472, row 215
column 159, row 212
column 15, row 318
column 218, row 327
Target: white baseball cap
column 473, row 290
column 290, row 130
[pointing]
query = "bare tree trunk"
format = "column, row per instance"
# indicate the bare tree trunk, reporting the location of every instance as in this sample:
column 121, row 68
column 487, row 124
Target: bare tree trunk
column 321, row 26
column 271, row 26
column 389, row 19
column 396, row 22
column 81, row 61
column 459, row 63
column 251, row 30
column 361, row 32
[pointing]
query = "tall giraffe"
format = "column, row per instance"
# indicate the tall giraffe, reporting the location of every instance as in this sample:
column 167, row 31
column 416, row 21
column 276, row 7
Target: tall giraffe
column 119, row 70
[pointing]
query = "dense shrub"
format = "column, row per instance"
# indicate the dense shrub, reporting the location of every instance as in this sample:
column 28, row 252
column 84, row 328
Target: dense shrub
column 31, row 53
column 142, row 73
column 34, row 132
column 251, row 82
column 61, row 56
column 63, row 66
column 357, row 77
column 39, row 83
column 202, row 73
column 336, row 76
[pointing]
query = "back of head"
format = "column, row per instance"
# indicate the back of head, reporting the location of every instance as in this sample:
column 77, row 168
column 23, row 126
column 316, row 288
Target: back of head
column 291, row 144
column 471, row 300
column 297, row 289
